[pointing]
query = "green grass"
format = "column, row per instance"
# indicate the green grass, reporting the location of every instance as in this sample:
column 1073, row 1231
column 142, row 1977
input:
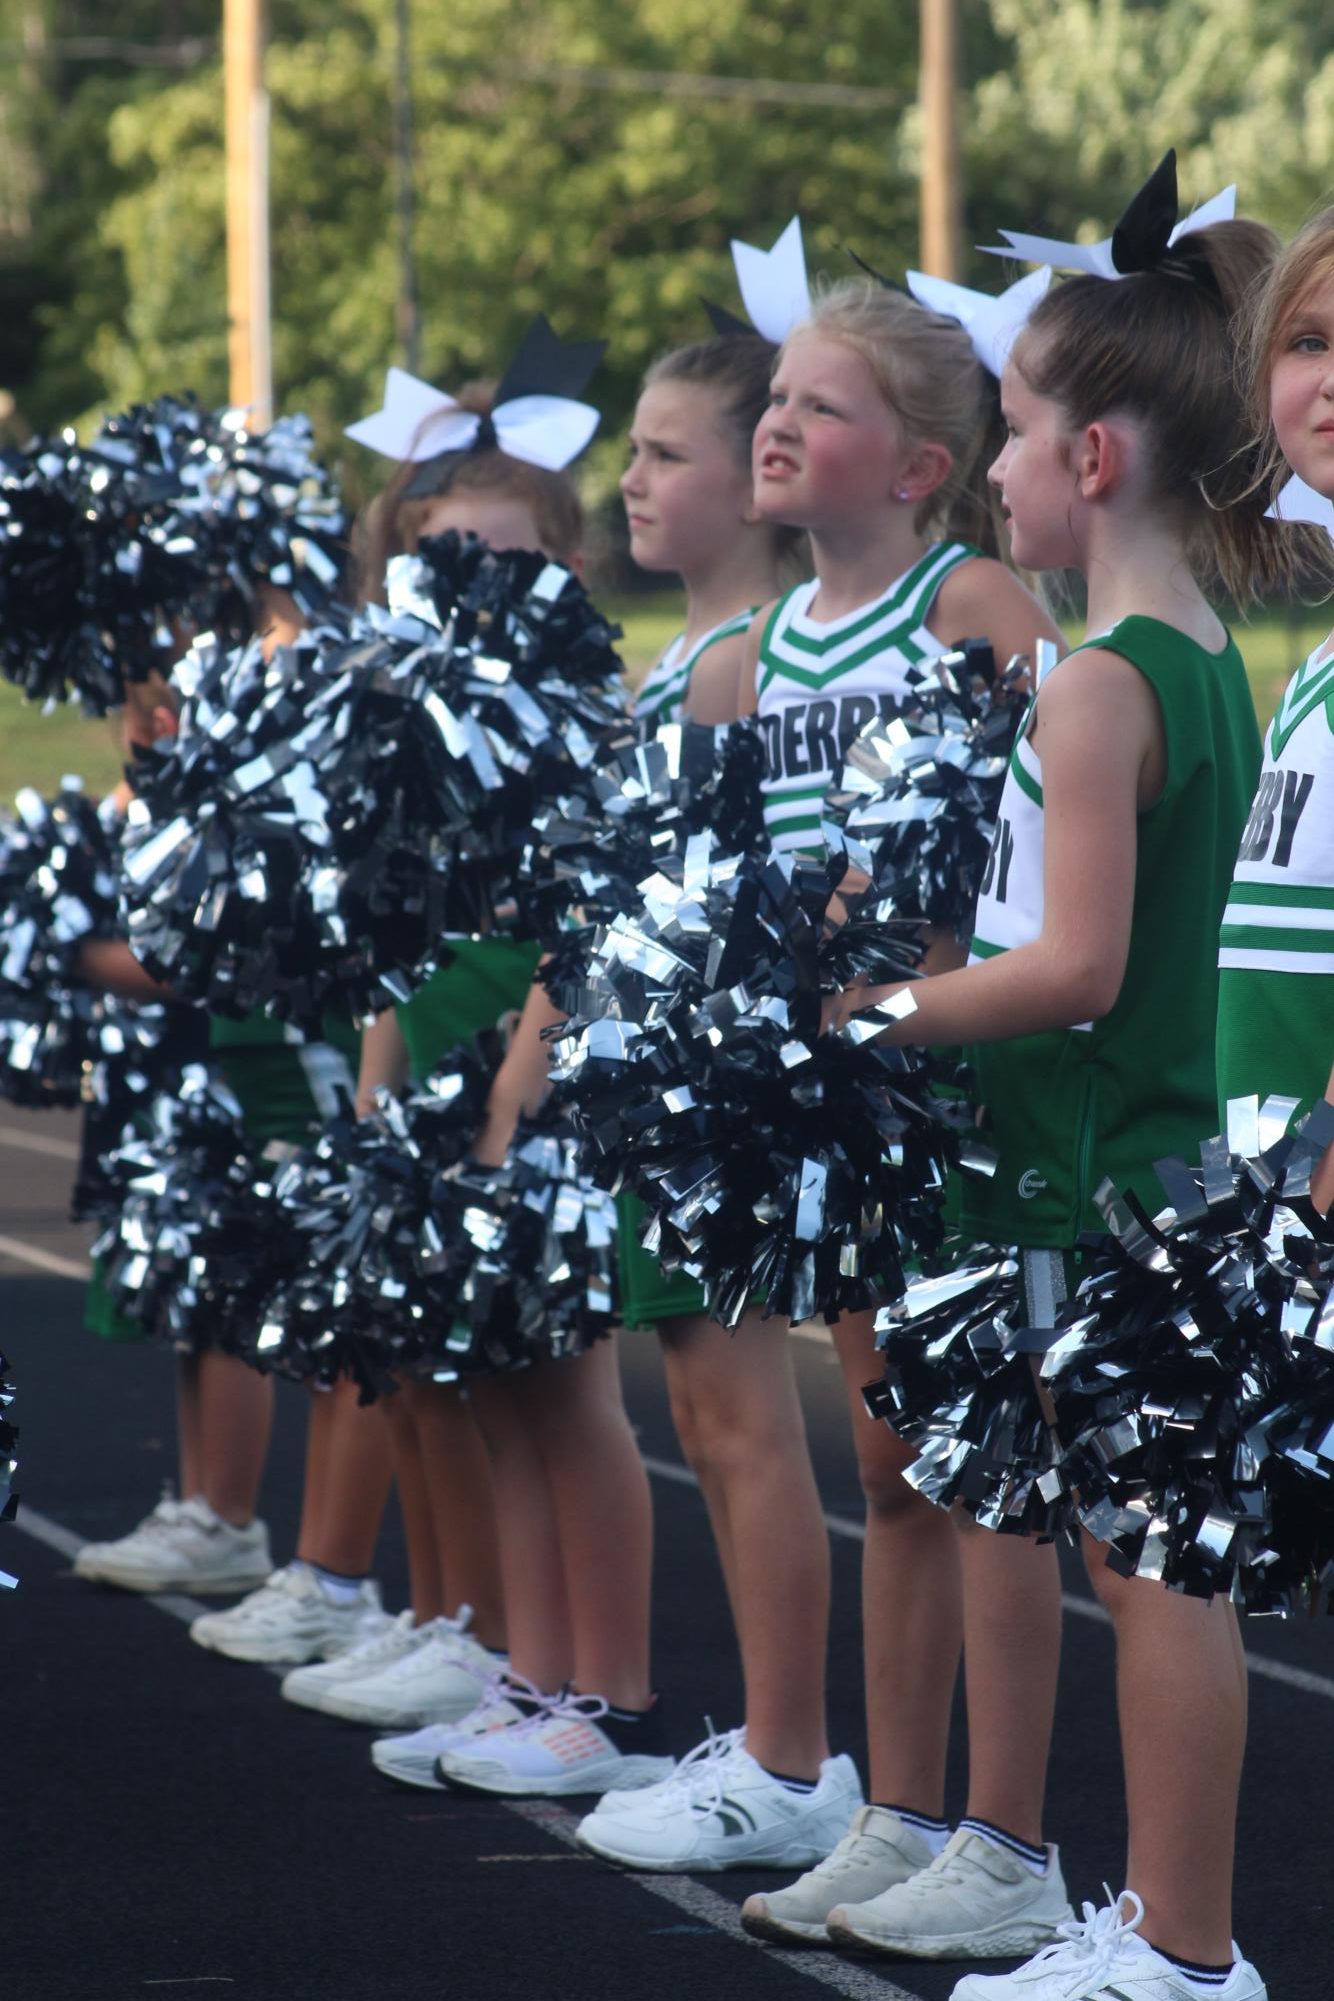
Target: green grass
column 37, row 749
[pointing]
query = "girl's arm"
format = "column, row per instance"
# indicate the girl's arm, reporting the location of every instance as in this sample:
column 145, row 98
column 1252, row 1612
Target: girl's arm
column 384, row 1060
column 1322, row 1181
column 982, row 599
column 1101, row 750
column 722, row 685
column 522, row 1079
column 109, row 965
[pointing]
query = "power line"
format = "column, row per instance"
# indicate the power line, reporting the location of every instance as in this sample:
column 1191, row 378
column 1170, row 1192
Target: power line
column 190, row 54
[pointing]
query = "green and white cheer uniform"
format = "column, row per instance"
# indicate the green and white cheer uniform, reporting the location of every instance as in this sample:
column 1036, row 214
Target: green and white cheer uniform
column 819, row 682
column 661, row 698
column 1275, row 1014
column 1066, row 1109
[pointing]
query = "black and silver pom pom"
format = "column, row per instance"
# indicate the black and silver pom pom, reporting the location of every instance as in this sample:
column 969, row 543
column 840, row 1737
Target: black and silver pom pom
column 540, row 1279
column 372, row 1283
column 9, row 1464
column 775, row 1162
column 960, row 1385
column 87, row 592
column 57, row 891
column 915, row 807
column 196, row 1242
column 322, row 820
column 1193, row 1387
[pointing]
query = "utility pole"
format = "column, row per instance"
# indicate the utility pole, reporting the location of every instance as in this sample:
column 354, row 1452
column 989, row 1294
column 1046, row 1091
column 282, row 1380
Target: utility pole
column 246, row 104
column 942, row 203
column 407, row 316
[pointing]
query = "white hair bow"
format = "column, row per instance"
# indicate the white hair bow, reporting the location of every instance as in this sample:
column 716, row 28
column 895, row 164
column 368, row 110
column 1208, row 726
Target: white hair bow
column 536, row 415
column 992, row 324
column 774, row 287
column 1300, row 502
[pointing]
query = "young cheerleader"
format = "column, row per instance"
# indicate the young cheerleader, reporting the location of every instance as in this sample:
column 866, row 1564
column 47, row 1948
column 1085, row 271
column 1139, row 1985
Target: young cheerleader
column 1091, row 998
column 872, row 428
column 551, row 1443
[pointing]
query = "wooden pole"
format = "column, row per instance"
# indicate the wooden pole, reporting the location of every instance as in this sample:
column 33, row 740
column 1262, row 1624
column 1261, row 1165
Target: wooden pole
column 942, row 199
column 246, row 109
column 407, row 317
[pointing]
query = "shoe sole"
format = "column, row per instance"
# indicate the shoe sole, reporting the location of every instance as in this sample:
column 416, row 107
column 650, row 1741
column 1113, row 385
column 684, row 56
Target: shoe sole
column 418, row 1777
column 209, row 1587
column 1013, row 1941
column 495, row 1779
column 702, row 1865
column 271, row 1656
column 777, row 1931
column 399, row 1719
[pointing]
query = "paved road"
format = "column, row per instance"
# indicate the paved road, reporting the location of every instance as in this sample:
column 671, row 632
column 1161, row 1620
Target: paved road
column 172, row 1828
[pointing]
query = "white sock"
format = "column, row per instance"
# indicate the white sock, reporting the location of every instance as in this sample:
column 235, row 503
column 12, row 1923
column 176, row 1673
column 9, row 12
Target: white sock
column 1033, row 1857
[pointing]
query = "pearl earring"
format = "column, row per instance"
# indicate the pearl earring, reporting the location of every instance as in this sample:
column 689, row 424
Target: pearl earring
column 903, row 493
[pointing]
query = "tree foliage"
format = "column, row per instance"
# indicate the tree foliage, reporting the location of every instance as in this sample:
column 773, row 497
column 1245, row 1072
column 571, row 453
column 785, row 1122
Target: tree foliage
column 553, row 172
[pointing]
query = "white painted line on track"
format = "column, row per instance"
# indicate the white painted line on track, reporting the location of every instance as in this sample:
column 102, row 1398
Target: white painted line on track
column 680, row 1891
column 48, row 1261
column 1083, row 1608
column 55, row 1149
column 841, row 1526
column 699, row 1902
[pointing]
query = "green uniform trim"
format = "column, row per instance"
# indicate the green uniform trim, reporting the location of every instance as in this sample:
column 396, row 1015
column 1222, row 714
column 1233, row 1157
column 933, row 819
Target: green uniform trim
column 486, row 979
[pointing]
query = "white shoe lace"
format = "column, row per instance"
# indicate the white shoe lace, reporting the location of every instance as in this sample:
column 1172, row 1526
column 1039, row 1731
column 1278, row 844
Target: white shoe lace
column 380, row 1646
column 1090, row 1947
column 564, row 1702
column 697, row 1784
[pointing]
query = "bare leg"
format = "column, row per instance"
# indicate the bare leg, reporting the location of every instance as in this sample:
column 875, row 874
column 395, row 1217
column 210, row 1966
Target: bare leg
column 235, row 1417
column 457, row 1483
column 189, row 1443
column 740, row 1423
column 425, row 1582
column 1012, row 1656
column 531, row 1571
column 604, row 1517
column 348, row 1470
column 680, row 1341
column 1181, row 1693
column 912, row 1622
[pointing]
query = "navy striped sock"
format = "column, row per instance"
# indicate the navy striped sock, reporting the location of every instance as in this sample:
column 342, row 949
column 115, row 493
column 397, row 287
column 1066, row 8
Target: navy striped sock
column 1033, row 1856
column 1207, row 1978
column 934, row 1832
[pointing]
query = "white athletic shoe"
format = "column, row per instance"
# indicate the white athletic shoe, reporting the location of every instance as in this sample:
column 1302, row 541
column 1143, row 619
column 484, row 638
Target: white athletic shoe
column 439, row 1680
column 722, row 1810
column 310, row 1686
column 878, row 1851
column 1103, row 1958
column 181, row 1546
column 974, row 1901
column 412, row 1759
column 557, row 1750
column 292, row 1618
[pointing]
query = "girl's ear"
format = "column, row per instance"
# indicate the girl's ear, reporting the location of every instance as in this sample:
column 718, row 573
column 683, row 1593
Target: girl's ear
column 928, row 467
column 1103, row 459
column 165, row 723
column 575, row 562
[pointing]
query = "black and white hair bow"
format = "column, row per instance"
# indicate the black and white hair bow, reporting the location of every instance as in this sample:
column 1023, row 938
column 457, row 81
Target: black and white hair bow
column 774, row 288
column 992, row 324
column 1142, row 240
column 536, row 416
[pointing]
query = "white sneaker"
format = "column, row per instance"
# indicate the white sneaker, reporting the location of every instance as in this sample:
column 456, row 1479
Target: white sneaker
column 878, row 1851
column 439, row 1680
column 412, row 1759
column 309, row 1686
column 1103, row 1958
column 181, row 1546
column 292, row 1618
column 722, row 1810
column 974, row 1901
column 557, row 1750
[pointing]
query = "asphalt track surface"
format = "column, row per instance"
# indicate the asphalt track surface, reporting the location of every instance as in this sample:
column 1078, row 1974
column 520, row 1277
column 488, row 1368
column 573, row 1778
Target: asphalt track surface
column 171, row 1828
